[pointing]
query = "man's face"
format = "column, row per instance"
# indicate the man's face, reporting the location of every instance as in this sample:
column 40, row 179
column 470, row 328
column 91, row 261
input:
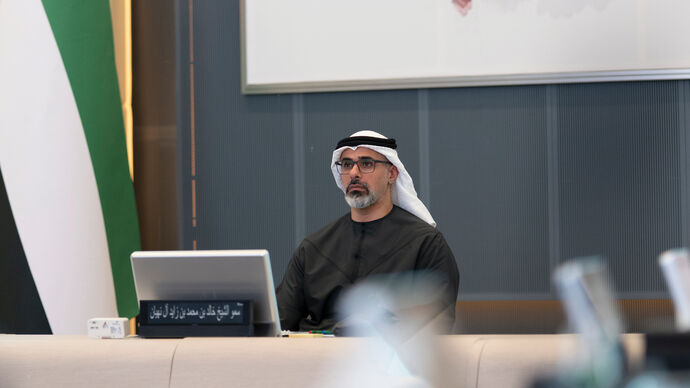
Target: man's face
column 364, row 189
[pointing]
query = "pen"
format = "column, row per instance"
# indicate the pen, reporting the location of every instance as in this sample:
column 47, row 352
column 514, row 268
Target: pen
column 320, row 332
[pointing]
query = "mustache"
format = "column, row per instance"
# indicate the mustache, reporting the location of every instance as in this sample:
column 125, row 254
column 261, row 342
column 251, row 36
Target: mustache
column 357, row 182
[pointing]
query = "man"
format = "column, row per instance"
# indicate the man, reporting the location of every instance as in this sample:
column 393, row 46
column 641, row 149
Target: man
column 388, row 231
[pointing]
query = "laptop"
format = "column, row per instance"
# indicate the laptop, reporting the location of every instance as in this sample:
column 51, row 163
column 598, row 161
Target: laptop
column 210, row 275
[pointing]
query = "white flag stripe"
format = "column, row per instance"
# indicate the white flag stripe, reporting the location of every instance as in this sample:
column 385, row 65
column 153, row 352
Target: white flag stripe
column 48, row 174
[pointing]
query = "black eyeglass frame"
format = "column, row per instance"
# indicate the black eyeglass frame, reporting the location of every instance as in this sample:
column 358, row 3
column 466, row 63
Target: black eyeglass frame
column 339, row 165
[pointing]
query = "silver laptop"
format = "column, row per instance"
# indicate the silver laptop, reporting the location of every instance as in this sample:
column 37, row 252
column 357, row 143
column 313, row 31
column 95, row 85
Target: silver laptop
column 210, row 275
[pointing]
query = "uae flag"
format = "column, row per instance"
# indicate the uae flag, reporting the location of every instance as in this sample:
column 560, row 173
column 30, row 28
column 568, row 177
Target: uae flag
column 68, row 219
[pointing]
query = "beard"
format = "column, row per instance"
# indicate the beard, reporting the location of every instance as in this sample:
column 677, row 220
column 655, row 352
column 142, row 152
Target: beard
column 359, row 200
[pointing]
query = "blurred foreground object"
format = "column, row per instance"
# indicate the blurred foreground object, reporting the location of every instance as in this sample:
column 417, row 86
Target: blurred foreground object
column 668, row 353
column 675, row 265
column 588, row 301
column 587, row 298
column 401, row 313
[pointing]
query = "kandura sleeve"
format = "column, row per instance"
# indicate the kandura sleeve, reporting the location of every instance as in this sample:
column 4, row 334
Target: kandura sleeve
column 290, row 293
column 436, row 256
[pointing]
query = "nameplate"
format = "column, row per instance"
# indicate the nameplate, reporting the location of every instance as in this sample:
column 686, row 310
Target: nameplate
column 185, row 318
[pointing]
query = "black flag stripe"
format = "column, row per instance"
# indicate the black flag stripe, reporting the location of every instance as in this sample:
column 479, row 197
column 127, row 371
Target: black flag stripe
column 21, row 311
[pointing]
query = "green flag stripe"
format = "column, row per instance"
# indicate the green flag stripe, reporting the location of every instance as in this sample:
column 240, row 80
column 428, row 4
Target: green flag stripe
column 84, row 36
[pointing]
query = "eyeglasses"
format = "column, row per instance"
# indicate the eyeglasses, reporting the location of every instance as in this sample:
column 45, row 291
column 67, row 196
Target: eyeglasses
column 365, row 165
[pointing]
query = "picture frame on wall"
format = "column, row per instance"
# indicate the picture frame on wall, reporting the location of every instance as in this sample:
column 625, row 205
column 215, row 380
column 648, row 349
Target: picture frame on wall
column 315, row 45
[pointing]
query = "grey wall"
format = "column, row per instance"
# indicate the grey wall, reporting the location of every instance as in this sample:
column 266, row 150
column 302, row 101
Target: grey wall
column 518, row 178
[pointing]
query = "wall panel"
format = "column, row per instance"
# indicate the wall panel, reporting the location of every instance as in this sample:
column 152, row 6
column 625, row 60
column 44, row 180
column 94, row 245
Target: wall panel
column 519, row 178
